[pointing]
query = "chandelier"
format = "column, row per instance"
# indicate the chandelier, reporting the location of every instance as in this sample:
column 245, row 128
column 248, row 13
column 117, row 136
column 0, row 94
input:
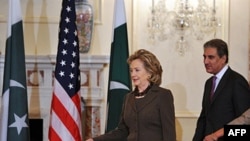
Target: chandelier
column 184, row 20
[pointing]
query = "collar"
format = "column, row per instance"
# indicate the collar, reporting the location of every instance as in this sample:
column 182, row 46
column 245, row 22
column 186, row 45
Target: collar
column 137, row 93
column 222, row 72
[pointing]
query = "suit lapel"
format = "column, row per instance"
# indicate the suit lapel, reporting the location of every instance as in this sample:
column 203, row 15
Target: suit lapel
column 222, row 83
column 207, row 92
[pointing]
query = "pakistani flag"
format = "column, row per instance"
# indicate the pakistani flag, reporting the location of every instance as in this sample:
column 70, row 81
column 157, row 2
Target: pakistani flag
column 119, row 78
column 14, row 116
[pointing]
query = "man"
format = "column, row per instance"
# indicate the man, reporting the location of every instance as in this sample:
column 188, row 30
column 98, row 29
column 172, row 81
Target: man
column 225, row 97
column 241, row 120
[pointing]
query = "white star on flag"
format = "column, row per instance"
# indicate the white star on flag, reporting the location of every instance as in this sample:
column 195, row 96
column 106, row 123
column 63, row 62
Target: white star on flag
column 19, row 123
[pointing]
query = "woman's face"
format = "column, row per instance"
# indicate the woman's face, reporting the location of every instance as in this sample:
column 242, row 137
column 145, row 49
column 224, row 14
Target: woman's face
column 139, row 74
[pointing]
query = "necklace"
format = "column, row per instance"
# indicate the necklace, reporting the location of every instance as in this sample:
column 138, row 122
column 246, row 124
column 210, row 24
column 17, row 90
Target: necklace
column 143, row 93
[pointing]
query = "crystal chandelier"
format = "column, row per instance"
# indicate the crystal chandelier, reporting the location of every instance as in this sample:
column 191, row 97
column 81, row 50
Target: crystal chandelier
column 183, row 20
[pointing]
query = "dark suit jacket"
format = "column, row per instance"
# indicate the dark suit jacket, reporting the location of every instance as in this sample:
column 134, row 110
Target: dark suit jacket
column 230, row 100
column 243, row 119
column 153, row 121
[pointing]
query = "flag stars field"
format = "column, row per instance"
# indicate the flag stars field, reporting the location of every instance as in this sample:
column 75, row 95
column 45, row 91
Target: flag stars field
column 64, row 52
column 63, row 63
column 75, row 43
column 71, row 75
column 74, row 54
column 71, row 86
column 72, row 64
column 65, row 41
column 66, row 30
column 68, row 9
column 67, row 20
column 61, row 73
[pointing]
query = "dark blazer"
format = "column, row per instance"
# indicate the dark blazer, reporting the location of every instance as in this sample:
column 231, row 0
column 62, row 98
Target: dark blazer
column 230, row 100
column 153, row 121
column 243, row 119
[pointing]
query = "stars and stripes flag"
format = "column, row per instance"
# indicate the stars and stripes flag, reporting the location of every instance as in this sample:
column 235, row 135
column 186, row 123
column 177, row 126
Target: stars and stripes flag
column 14, row 123
column 65, row 119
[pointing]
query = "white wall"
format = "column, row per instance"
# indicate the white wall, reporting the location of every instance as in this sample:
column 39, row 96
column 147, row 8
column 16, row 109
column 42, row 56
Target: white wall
column 184, row 75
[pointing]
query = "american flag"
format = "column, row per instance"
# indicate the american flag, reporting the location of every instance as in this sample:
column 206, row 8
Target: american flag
column 65, row 120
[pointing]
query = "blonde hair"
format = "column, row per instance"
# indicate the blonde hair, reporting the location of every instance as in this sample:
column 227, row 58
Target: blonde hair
column 151, row 64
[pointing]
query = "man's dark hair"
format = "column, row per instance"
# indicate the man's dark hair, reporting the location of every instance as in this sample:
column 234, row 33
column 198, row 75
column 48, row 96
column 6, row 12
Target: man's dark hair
column 220, row 45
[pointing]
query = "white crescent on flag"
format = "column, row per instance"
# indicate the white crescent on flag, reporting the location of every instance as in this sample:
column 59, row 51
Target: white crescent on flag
column 117, row 85
column 14, row 83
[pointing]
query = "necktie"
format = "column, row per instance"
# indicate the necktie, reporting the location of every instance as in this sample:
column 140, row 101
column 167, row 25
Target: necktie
column 213, row 87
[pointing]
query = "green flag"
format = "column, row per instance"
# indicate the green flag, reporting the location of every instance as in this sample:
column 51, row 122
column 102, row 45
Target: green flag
column 14, row 120
column 119, row 78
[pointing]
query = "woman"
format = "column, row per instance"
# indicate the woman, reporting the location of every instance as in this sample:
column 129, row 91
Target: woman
column 148, row 112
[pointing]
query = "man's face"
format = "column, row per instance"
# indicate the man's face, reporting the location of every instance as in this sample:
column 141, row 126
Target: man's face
column 212, row 61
